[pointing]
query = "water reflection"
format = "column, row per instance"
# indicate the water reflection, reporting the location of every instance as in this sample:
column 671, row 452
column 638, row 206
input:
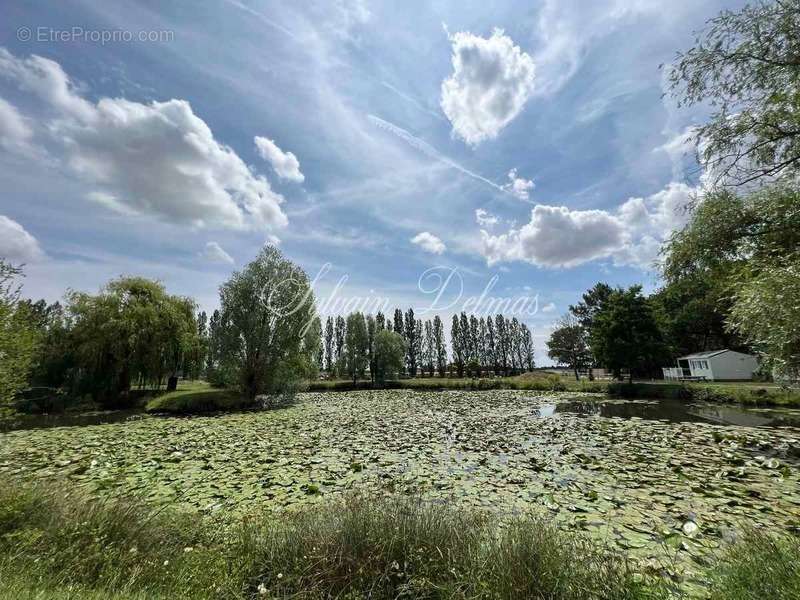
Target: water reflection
column 44, row 421
column 677, row 412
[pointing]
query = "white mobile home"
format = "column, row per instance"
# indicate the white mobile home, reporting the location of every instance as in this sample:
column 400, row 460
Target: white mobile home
column 714, row 365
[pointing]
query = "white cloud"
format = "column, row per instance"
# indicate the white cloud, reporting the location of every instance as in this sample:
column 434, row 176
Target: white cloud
column 14, row 132
column 556, row 236
column 429, row 242
column 16, row 244
column 485, row 218
column 518, row 187
column 156, row 159
column 213, row 252
column 491, row 82
column 566, row 28
column 680, row 149
column 549, row 307
column 285, row 164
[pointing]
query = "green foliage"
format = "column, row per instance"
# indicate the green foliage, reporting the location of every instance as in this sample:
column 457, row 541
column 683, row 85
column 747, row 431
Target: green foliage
column 625, row 333
column 746, row 66
column 568, row 345
column 131, row 333
column 18, row 338
column 390, row 352
column 266, row 310
column 760, row 565
column 57, row 540
column 743, row 249
column 766, row 311
column 356, row 345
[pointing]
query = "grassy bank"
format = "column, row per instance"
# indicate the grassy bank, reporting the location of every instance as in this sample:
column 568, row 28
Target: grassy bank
column 197, row 397
column 56, row 544
column 747, row 393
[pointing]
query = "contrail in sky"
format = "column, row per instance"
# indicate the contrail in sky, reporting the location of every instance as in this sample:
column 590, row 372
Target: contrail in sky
column 430, row 151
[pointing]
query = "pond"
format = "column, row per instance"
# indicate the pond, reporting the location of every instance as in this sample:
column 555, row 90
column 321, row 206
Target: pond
column 669, row 484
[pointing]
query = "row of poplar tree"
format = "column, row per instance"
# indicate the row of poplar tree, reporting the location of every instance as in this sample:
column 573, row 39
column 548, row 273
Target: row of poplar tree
column 496, row 345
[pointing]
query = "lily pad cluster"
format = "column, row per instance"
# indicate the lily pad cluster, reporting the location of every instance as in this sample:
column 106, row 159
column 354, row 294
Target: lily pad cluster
column 667, row 493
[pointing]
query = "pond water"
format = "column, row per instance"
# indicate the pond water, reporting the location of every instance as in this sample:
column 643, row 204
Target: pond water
column 673, row 411
column 676, row 411
column 67, row 419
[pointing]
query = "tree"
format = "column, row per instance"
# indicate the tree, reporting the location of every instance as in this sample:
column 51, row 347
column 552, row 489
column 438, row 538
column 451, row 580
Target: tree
column 625, row 334
column 412, row 343
column 514, row 344
column 380, row 321
column 372, row 329
column 457, row 345
column 440, row 346
column 131, row 333
column 429, row 346
column 766, row 311
column 330, row 348
column 491, row 345
column 483, row 358
column 568, row 345
column 526, row 347
column 502, row 344
column 746, row 65
column 339, row 333
column 266, row 311
column 390, row 352
column 398, row 322
column 17, row 336
column 356, row 345
column 591, row 303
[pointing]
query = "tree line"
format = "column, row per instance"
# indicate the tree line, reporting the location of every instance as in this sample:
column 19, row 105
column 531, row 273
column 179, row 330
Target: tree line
column 478, row 345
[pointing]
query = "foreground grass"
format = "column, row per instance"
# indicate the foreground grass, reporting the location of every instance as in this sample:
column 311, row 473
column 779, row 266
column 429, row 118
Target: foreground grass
column 56, row 544
column 760, row 566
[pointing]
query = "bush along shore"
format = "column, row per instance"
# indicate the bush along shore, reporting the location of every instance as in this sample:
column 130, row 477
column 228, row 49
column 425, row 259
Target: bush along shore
column 56, row 543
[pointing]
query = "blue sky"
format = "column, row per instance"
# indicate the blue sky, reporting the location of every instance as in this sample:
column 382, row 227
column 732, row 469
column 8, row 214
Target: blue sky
column 526, row 141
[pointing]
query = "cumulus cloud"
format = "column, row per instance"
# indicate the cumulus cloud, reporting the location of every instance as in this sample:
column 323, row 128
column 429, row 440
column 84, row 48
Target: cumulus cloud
column 213, row 252
column 429, row 242
column 518, row 187
column 556, row 236
column 485, row 218
column 492, row 80
column 285, row 164
column 157, row 159
column 16, row 244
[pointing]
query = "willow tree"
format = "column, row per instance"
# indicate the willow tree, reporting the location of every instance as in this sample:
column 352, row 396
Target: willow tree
column 132, row 333
column 267, row 309
column 746, row 65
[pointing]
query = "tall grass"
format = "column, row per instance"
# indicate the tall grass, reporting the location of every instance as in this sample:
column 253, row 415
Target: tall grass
column 56, row 544
column 760, row 566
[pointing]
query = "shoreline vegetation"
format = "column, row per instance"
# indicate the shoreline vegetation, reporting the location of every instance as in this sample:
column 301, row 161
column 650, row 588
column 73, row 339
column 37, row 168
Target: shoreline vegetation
column 57, row 543
column 199, row 397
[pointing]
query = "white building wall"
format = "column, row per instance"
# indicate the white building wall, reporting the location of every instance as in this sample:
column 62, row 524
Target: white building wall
column 733, row 365
column 701, row 367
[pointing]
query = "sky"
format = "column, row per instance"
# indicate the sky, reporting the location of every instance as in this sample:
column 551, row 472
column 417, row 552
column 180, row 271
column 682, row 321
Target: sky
column 442, row 155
